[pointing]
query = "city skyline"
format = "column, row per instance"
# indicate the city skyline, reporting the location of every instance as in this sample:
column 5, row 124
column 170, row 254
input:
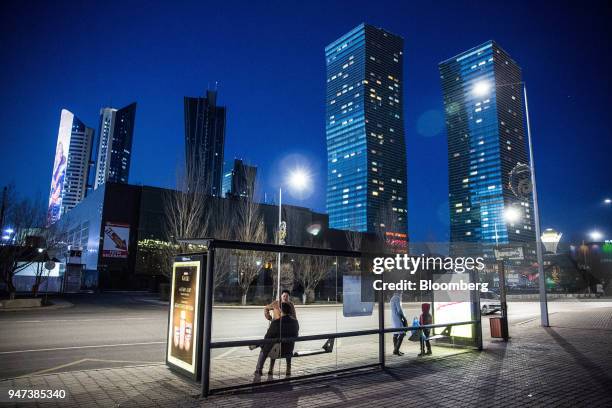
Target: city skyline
column 425, row 141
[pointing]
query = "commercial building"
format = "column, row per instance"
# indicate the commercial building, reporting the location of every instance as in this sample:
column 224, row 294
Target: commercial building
column 238, row 180
column 116, row 132
column 489, row 178
column 366, row 151
column 120, row 229
column 70, row 167
column 205, row 139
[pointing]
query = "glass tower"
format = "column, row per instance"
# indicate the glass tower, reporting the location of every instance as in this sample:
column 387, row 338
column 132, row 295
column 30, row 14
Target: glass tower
column 70, row 167
column 366, row 151
column 116, row 132
column 205, row 139
column 489, row 179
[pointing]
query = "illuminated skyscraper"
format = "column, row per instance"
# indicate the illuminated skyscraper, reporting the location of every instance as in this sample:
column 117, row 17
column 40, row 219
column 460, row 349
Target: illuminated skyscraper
column 366, row 150
column 489, row 179
column 205, row 139
column 70, row 167
column 239, row 180
column 116, row 132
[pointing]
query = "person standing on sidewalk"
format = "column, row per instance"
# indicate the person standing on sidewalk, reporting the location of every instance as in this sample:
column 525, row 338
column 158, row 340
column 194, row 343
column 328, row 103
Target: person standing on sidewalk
column 425, row 319
column 398, row 319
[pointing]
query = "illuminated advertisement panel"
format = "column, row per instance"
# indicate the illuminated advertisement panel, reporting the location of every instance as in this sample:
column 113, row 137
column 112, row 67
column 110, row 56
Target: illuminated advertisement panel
column 116, row 240
column 452, row 306
column 59, row 167
column 184, row 312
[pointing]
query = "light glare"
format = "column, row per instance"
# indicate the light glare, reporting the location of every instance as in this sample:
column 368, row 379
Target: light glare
column 512, row 215
column 482, row 88
column 596, row 235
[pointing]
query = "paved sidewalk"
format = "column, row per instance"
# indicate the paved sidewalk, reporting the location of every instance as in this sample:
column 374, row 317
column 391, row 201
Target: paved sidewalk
column 569, row 364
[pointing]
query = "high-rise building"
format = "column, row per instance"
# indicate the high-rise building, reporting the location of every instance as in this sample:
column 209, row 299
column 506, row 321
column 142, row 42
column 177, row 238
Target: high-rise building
column 116, row 132
column 205, row 140
column 489, row 180
column 366, row 150
column 70, row 167
column 238, row 180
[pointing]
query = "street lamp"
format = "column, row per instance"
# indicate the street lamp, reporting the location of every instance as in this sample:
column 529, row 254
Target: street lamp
column 608, row 201
column 595, row 236
column 512, row 215
column 297, row 180
column 482, row 88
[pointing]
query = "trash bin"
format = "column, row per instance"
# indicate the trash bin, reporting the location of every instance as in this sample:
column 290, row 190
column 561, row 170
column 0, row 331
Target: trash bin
column 498, row 326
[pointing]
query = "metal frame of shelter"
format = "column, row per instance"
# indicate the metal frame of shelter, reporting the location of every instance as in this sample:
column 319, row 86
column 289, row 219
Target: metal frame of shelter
column 205, row 318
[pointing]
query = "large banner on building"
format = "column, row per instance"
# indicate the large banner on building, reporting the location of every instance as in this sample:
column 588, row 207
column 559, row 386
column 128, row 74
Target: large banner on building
column 183, row 320
column 116, row 240
column 59, row 167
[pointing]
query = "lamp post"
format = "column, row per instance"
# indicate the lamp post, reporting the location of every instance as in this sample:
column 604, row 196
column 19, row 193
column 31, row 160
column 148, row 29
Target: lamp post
column 482, row 88
column 297, row 180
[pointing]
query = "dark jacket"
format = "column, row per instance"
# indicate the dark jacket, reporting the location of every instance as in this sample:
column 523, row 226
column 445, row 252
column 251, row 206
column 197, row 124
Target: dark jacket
column 283, row 328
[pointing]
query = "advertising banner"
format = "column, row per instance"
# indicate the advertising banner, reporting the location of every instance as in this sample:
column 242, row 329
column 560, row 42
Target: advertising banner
column 59, row 167
column 184, row 312
column 116, row 239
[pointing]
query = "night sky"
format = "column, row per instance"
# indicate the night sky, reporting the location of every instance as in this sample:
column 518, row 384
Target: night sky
column 268, row 60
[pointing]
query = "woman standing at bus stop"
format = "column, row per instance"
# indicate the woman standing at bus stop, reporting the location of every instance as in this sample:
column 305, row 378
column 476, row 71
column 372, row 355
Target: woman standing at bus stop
column 398, row 319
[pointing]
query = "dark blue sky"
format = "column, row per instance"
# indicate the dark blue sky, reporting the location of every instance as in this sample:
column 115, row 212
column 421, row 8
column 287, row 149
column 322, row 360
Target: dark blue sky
column 268, row 59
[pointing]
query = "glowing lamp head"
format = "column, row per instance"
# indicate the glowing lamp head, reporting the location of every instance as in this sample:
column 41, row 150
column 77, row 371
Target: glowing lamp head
column 608, row 201
column 596, row 236
column 512, row 215
column 299, row 179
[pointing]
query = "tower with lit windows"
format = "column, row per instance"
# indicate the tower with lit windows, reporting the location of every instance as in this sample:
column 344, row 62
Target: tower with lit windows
column 488, row 164
column 116, row 132
column 366, row 150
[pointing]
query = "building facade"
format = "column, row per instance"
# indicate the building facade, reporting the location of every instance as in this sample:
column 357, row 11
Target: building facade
column 70, row 167
column 366, row 150
column 489, row 179
column 239, row 180
column 120, row 228
column 116, row 132
column 205, row 139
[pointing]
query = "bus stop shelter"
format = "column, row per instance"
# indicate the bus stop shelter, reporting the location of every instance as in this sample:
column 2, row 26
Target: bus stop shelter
column 216, row 322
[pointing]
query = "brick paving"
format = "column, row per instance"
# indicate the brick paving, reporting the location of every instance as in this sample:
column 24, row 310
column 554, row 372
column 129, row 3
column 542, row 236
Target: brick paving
column 569, row 364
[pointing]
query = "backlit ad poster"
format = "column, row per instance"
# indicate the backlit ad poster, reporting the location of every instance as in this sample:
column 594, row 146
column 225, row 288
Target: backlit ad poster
column 182, row 327
column 116, row 240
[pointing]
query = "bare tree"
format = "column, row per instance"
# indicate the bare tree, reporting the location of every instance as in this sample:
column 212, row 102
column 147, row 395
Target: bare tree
column 186, row 213
column 51, row 244
column 310, row 271
column 249, row 228
column 353, row 239
column 222, row 228
column 287, row 275
column 25, row 219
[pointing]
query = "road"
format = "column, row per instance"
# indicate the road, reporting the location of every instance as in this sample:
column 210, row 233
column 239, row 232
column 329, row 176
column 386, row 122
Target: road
column 122, row 329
